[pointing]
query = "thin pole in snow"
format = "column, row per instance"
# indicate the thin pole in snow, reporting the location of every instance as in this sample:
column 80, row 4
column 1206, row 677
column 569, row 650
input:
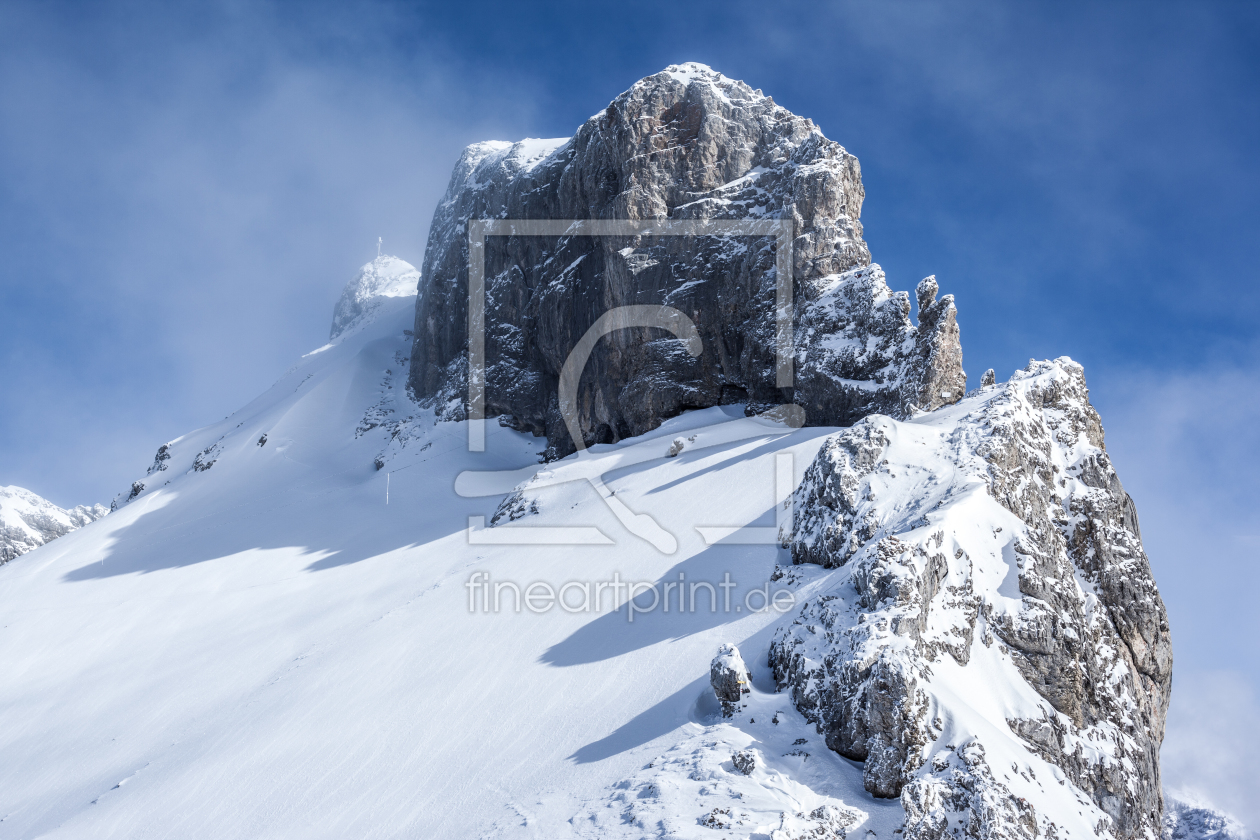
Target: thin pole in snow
column 378, row 247
column 386, row 488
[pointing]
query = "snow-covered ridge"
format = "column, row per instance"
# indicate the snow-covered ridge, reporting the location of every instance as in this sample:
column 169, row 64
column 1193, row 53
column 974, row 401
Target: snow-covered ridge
column 491, row 161
column 991, row 645
column 28, row 521
column 733, row 91
column 383, row 291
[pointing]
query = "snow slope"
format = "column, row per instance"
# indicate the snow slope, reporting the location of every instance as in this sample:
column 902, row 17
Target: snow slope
column 256, row 645
column 287, row 629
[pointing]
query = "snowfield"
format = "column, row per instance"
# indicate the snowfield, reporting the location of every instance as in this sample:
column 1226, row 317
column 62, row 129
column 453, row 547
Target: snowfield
column 262, row 647
column 324, row 617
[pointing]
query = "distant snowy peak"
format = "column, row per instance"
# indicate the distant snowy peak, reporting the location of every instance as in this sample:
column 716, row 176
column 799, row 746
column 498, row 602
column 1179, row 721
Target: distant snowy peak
column 383, row 277
column 1187, row 819
column 27, row 521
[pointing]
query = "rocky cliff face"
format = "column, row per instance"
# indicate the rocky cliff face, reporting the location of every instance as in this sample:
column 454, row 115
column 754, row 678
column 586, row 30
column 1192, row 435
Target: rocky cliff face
column 684, row 144
column 988, row 640
column 27, row 521
column 992, row 605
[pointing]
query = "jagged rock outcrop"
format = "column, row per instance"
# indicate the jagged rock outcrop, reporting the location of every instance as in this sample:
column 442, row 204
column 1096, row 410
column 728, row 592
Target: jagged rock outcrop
column 684, row 144
column 985, row 550
column 28, row 521
column 729, row 677
column 745, row 761
column 384, row 277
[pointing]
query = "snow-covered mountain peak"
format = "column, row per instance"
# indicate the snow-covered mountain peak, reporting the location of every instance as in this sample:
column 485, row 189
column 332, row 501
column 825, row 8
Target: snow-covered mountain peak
column 1187, row 817
column 27, row 521
column 383, row 277
column 693, row 72
column 686, row 145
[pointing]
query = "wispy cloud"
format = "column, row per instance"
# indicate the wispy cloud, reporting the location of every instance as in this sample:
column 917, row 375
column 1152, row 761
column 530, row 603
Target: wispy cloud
column 1186, row 444
column 1211, row 751
column 184, row 195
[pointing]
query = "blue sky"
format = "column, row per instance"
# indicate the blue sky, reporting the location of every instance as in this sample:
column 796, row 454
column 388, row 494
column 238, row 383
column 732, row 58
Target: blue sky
column 185, row 188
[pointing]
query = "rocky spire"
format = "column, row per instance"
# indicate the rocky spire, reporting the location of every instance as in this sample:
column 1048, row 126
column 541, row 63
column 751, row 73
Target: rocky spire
column 685, row 144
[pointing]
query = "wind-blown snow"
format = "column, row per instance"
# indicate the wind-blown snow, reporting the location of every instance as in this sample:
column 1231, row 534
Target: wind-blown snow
column 383, row 277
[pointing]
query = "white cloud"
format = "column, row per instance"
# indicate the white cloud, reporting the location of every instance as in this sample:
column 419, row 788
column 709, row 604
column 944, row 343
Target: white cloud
column 1211, row 748
column 185, row 193
column 1186, row 445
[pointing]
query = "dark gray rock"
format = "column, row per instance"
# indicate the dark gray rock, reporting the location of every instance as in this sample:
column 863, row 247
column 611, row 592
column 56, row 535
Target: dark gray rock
column 686, row 143
column 729, row 677
column 159, row 460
